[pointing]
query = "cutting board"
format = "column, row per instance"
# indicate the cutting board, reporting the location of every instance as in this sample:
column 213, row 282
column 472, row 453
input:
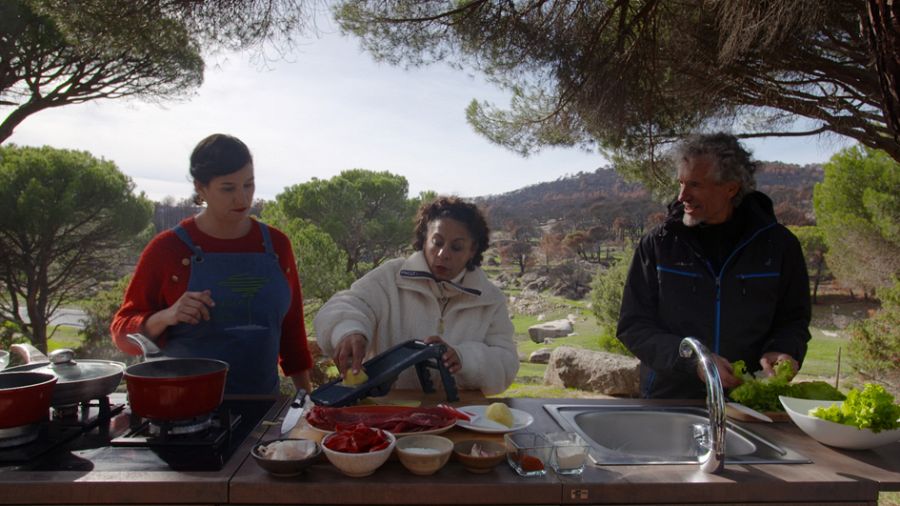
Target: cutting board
column 776, row 416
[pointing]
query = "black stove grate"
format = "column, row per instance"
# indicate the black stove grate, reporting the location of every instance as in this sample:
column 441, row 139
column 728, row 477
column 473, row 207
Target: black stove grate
column 62, row 427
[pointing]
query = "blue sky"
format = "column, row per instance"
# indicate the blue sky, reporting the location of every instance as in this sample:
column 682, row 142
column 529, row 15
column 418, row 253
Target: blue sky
column 329, row 107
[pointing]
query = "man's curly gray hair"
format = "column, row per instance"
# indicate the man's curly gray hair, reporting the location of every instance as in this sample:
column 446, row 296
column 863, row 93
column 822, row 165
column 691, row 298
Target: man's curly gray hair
column 732, row 161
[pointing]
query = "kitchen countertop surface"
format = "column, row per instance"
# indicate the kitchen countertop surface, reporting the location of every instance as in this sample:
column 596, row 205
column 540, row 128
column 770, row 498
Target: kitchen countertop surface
column 836, row 477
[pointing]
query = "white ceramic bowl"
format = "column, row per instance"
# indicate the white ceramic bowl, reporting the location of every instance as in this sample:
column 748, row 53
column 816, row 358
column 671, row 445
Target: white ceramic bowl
column 357, row 465
column 424, row 455
column 831, row 433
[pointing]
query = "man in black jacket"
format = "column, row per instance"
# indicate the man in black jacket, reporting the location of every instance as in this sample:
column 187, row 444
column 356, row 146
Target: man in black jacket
column 720, row 269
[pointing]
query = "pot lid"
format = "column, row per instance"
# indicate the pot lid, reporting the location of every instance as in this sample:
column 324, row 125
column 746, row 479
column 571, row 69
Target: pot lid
column 63, row 364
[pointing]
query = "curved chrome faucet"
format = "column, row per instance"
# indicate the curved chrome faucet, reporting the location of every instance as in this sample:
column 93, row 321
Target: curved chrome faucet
column 714, row 459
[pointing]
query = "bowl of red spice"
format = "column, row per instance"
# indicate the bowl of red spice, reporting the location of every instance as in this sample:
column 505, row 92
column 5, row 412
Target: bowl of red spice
column 528, row 453
column 358, row 450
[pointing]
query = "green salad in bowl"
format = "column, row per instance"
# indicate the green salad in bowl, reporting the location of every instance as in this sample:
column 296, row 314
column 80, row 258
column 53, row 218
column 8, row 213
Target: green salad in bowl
column 867, row 419
column 871, row 408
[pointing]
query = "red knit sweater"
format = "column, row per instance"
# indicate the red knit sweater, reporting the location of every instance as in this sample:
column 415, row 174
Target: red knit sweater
column 162, row 274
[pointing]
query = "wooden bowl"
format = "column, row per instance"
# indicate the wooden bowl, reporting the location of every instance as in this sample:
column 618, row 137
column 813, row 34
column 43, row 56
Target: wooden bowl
column 496, row 453
column 282, row 467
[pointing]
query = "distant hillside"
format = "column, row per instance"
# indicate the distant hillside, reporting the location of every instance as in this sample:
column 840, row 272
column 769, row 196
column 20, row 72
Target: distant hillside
column 598, row 198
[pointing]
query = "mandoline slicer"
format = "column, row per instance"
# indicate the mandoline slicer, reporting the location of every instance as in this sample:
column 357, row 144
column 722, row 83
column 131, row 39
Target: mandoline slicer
column 383, row 370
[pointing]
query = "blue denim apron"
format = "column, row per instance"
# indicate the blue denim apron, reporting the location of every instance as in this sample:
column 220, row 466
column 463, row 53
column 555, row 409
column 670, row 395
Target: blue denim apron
column 251, row 296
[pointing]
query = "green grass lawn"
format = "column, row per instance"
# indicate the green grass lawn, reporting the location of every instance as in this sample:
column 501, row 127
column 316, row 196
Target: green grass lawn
column 822, row 355
column 65, row 337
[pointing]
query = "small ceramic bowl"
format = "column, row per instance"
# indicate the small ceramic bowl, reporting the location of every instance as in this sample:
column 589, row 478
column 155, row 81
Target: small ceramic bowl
column 424, row 455
column 357, row 465
column 482, row 459
column 279, row 456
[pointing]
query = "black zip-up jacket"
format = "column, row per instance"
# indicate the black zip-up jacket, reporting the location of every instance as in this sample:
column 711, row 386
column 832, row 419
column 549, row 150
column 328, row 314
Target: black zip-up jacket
column 758, row 301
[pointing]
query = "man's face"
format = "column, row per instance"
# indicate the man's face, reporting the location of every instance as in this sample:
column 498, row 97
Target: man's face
column 705, row 200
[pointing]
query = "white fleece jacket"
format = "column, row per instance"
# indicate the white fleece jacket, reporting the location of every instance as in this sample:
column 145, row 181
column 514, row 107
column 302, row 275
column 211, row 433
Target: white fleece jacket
column 399, row 301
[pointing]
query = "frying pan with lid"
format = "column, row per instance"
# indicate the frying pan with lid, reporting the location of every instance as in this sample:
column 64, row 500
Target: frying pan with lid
column 79, row 380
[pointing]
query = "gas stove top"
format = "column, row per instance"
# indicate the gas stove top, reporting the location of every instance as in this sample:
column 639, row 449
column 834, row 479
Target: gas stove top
column 24, row 444
column 104, row 435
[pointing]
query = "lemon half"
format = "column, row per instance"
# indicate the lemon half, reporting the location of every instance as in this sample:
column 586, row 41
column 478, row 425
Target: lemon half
column 500, row 413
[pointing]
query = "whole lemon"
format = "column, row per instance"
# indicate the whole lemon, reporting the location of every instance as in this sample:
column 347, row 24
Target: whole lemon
column 500, row 413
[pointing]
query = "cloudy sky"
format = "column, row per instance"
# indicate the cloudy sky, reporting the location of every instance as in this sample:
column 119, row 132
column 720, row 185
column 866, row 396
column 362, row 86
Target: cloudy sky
column 328, row 107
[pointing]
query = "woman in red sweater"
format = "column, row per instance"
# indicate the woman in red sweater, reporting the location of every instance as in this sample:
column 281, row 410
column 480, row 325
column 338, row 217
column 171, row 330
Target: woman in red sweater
column 220, row 284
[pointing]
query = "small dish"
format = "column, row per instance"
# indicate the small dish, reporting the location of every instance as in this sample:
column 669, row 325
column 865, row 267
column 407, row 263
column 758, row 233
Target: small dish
column 423, row 455
column 357, row 465
column 482, row 459
column 270, row 455
column 569, row 452
column 521, row 420
column 831, row 433
column 528, row 453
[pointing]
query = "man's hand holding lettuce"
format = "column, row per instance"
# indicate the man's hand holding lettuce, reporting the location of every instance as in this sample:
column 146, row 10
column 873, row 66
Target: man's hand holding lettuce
column 762, row 393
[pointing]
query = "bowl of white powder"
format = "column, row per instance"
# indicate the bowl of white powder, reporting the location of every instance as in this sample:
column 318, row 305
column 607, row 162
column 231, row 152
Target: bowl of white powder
column 423, row 455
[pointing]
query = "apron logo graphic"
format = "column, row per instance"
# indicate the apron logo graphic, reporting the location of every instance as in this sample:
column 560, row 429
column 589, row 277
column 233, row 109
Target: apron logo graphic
column 246, row 287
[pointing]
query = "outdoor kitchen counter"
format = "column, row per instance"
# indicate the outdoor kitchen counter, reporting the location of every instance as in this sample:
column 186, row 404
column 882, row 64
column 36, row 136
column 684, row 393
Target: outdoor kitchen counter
column 835, row 477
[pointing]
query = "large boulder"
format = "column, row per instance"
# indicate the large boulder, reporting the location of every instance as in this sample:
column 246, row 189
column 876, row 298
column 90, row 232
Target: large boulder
column 595, row 371
column 556, row 328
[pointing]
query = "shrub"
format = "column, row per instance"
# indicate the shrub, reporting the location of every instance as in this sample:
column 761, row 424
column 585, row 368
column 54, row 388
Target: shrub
column 99, row 312
column 606, row 300
column 10, row 334
column 609, row 342
column 875, row 342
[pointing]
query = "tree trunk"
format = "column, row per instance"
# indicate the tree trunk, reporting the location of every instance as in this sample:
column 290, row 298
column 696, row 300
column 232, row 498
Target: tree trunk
column 817, row 279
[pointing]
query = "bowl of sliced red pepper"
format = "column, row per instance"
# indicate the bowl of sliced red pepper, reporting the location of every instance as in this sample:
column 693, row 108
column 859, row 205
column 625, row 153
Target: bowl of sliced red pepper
column 358, row 450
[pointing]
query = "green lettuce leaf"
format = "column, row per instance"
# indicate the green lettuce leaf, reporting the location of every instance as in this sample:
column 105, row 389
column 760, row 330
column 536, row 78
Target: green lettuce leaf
column 871, row 408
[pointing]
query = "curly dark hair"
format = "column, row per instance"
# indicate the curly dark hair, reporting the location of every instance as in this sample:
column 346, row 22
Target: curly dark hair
column 733, row 161
column 464, row 212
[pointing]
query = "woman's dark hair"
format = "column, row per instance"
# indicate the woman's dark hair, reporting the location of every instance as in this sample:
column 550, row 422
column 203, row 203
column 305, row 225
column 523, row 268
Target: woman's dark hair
column 218, row 155
column 461, row 211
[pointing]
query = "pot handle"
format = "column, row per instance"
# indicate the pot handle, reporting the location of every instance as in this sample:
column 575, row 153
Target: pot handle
column 148, row 348
column 27, row 353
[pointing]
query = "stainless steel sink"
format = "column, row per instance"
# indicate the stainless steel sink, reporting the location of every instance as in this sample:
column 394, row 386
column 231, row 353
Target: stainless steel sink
column 628, row 435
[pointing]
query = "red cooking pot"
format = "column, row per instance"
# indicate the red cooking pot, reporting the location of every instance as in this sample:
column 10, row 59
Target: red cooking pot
column 25, row 398
column 169, row 389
